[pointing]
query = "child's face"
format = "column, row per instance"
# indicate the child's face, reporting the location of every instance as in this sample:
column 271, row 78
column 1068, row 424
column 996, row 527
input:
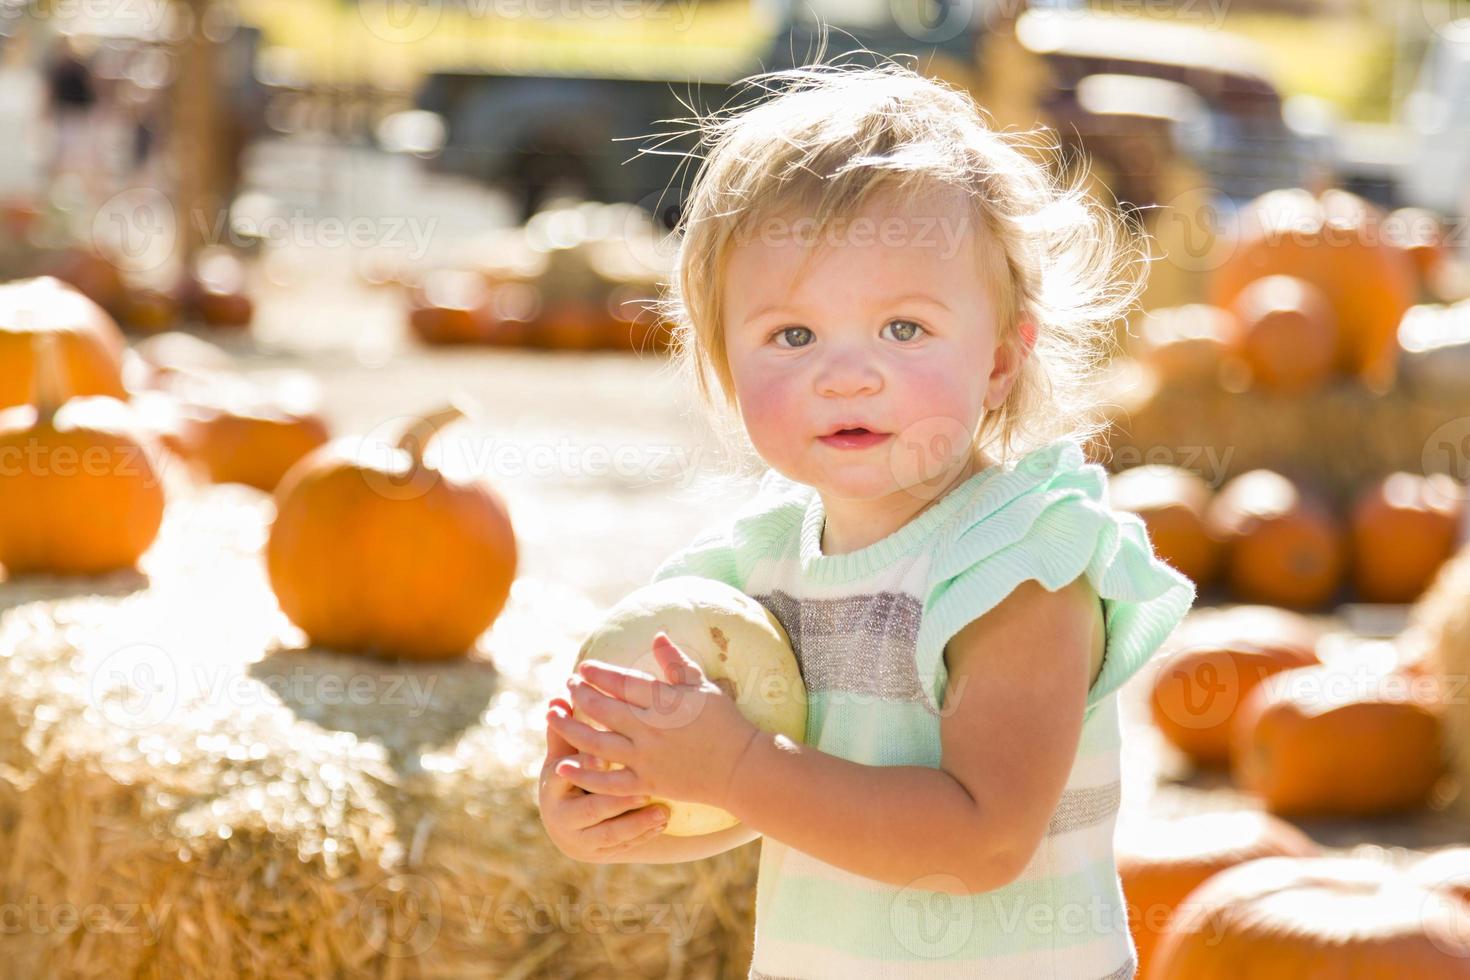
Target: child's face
column 892, row 327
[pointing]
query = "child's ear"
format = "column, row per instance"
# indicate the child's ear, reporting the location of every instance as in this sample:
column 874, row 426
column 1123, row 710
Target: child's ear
column 1010, row 355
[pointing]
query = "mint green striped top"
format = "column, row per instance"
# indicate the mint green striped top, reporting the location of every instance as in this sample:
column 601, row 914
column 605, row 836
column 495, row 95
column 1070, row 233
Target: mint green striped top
column 869, row 629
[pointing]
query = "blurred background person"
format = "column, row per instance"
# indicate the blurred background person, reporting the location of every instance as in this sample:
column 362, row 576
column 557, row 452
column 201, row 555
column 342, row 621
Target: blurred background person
column 71, row 101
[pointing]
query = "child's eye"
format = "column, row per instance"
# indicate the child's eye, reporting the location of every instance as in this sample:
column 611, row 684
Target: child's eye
column 785, row 331
column 907, row 329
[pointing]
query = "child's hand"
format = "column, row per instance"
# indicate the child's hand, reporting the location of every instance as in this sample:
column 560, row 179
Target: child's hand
column 590, row 826
column 680, row 739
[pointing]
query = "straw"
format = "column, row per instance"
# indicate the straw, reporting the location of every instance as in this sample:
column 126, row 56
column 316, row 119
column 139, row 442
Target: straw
column 223, row 803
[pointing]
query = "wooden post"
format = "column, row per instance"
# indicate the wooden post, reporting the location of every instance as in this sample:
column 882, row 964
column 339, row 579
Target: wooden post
column 195, row 143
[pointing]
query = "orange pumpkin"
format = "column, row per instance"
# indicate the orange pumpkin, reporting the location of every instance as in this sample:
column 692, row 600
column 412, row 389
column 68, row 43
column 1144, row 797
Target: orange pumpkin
column 1172, row 502
column 1336, row 243
column 574, row 290
column 1254, row 624
column 571, row 325
column 1403, row 529
column 1327, row 741
column 216, row 290
column 1199, row 690
column 224, row 308
column 1297, row 917
column 1282, row 545
column 1187, row 344
column 510, row 308
column 252, row 445
column 91, row 345
column 1402, row 663
column 1160, row 861
column 386, row 554
column 630, row 319
column 146, row 310
column 159, row 416
column 79, row 494
column 448, row 306
column 1285, row 334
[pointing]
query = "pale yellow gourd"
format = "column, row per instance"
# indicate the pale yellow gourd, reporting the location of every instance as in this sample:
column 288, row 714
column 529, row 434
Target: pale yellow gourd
column 737, row 643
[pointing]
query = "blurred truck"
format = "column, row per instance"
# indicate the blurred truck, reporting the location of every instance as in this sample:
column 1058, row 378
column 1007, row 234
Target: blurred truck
column 597, row 133
column 531, row 133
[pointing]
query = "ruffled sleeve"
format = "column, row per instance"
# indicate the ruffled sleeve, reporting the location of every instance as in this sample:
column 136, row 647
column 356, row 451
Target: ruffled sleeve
column 1047, row 518
column 729, row 548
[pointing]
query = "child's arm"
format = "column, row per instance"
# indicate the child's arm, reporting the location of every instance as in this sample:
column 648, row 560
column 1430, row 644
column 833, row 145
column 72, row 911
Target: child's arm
column 1013, row 711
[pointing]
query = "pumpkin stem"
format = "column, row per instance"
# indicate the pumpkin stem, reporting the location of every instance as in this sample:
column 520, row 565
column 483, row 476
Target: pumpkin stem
column 419, row 434
column 48, row 380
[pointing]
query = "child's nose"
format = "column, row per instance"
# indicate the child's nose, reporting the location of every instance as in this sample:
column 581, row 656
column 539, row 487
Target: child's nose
column 844, row 374
column 849, row 382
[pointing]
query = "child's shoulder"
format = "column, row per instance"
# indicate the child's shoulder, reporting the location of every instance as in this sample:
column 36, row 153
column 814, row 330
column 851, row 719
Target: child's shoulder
column 1047, row 518
column 1040, row 477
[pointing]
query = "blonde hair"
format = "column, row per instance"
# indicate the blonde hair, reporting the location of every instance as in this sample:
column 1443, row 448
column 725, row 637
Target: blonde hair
column 822, row 141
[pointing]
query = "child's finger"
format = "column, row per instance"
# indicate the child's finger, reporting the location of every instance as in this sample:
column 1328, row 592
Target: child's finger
column 632, row 686
column 591, row 809
column 619, row 782
column 641, row 828
column 677, row 667
column 556, row 744
column 606, row 711
column 604, row 745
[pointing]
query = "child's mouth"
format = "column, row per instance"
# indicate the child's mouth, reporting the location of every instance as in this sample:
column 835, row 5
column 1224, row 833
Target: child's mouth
column 854, row 438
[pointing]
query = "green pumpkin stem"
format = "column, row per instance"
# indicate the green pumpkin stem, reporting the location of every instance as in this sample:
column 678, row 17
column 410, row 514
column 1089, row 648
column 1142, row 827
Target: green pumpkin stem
column 49, row 377
column 419, row 434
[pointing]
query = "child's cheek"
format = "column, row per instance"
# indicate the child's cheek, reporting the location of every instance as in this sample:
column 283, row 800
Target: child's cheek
column 775, row 414
column 945, row 390
column 937, row 407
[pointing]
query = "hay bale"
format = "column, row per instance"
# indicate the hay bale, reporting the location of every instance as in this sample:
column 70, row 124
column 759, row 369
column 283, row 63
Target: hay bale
column 1337, row 439
column 184, row 793
column 1439, row 625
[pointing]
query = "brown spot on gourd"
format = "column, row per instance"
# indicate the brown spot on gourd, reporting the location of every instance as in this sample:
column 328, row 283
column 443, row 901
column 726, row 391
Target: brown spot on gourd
column 718, row 635
column 728, row 686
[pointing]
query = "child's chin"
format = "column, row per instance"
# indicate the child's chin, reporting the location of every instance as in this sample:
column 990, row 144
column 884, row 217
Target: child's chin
column 859, row 479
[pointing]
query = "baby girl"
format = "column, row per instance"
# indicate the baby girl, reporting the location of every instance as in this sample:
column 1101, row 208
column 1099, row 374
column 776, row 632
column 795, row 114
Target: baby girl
column 903, row 309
